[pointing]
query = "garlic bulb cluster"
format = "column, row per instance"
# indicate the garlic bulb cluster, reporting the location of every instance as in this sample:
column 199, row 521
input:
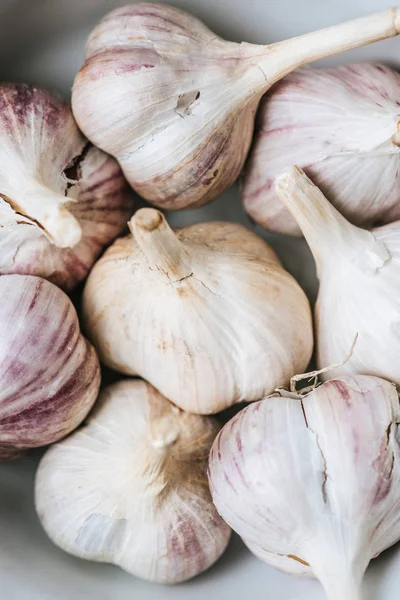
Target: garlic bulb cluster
column 206, row 314
column 61, row 199
column 175, row 103
column 359, row 273
column 49, row 373
column 312, row 484
column 130, row 488
column 342, row 125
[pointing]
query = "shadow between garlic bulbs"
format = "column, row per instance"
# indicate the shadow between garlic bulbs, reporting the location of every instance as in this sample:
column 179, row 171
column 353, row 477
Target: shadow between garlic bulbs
column 131, row 488
column 206, row 314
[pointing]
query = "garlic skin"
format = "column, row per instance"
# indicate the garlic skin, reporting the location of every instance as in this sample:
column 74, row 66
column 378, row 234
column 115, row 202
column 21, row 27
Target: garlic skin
column 359, row 274
column 130, row 488
column 61, row 199
column 206, row 314
column 49, row 373
column 174, row 103
column 315, row 480
column 342, row 125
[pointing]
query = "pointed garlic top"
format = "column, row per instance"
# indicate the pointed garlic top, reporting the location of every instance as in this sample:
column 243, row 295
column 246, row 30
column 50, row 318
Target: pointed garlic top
column 206, row 314
column 359, row 274
column 61, row 199
column 312, row 483
column 189, row 145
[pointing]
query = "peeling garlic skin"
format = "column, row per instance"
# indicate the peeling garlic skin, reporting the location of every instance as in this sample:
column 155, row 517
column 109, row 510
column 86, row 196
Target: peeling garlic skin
column 61, row 199
column 131, row 488
column 206, row 314
column 341, row 125
column 314, row 480
column 49, row 373
column 194, row 147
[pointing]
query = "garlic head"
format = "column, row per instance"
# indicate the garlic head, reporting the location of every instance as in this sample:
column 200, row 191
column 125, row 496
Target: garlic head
column 130, row 488
column 312, row 484
column 61, row 199
column 206, row 314
column 174, row 103
column 359, row 273
column 342, row 126
column 49, row 373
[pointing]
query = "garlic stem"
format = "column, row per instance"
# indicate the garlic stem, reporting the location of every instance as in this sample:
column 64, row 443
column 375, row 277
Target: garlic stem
column 286, row 56
column 159, row 244
column 327, row 232
column 48, row 209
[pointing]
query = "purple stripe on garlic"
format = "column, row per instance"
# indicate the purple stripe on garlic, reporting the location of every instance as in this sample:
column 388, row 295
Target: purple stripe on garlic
column 312, row 484
column 49, row 373
column 131, row 488
column 175, row 103
column 61, row 199
column 341, row 125
column 206, row 314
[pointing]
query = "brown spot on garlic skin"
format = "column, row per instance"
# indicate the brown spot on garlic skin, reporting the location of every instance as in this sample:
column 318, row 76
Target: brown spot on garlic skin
column 303, row 562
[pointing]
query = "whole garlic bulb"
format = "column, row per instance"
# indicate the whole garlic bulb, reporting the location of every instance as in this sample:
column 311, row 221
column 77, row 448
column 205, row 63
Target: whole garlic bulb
column 312, row 484
column 175, row 103
column 131, row 487
column 359, row 273
column 342, row 125
column 206, row 314
column 49, row 373
column 61, row 199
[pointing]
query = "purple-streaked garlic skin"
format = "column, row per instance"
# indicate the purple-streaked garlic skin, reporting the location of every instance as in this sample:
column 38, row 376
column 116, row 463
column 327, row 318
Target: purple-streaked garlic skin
column 312, row 484
column 49, row 373
column 341, row 125
column 43, row 154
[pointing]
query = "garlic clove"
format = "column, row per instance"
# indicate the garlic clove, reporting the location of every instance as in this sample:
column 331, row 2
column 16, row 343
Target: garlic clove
column 359, row 277
column 314, row 479
column 131, row 487
column 339, row 124
column 49, row 373
column 61, row 199
column 183, row 99
column 206, row 314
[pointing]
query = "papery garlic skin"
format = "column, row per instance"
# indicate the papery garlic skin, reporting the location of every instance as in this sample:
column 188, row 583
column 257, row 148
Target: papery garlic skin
column 131, row 487
column 49, row 373
column 175, row 103
column 314, row 479
column 341, row 125
column 206, row 314
column 61, row 199
column 359, row 273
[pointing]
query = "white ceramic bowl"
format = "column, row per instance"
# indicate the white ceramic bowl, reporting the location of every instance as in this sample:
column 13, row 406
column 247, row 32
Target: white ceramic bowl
column 42, row 42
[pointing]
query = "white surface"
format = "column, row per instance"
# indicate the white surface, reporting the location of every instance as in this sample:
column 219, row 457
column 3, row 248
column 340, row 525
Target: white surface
column 42, row 41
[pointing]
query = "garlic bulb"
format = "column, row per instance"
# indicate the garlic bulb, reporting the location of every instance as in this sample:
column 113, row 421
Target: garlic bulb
column 131, row 487
column 206, row 314
column 312, row 484
column 342, row 125
column 175, row 103
column 49, row 373
column 359, row 273
column 61, row 199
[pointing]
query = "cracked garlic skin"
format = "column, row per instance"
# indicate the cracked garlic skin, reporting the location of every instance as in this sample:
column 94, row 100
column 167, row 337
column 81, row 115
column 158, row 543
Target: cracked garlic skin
column 49, row 373
column 131, row 488
column 312, row 484
column 206, row 314
column 174, row 103
column 61, row 199
column 342, row 126
column 359, row 274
